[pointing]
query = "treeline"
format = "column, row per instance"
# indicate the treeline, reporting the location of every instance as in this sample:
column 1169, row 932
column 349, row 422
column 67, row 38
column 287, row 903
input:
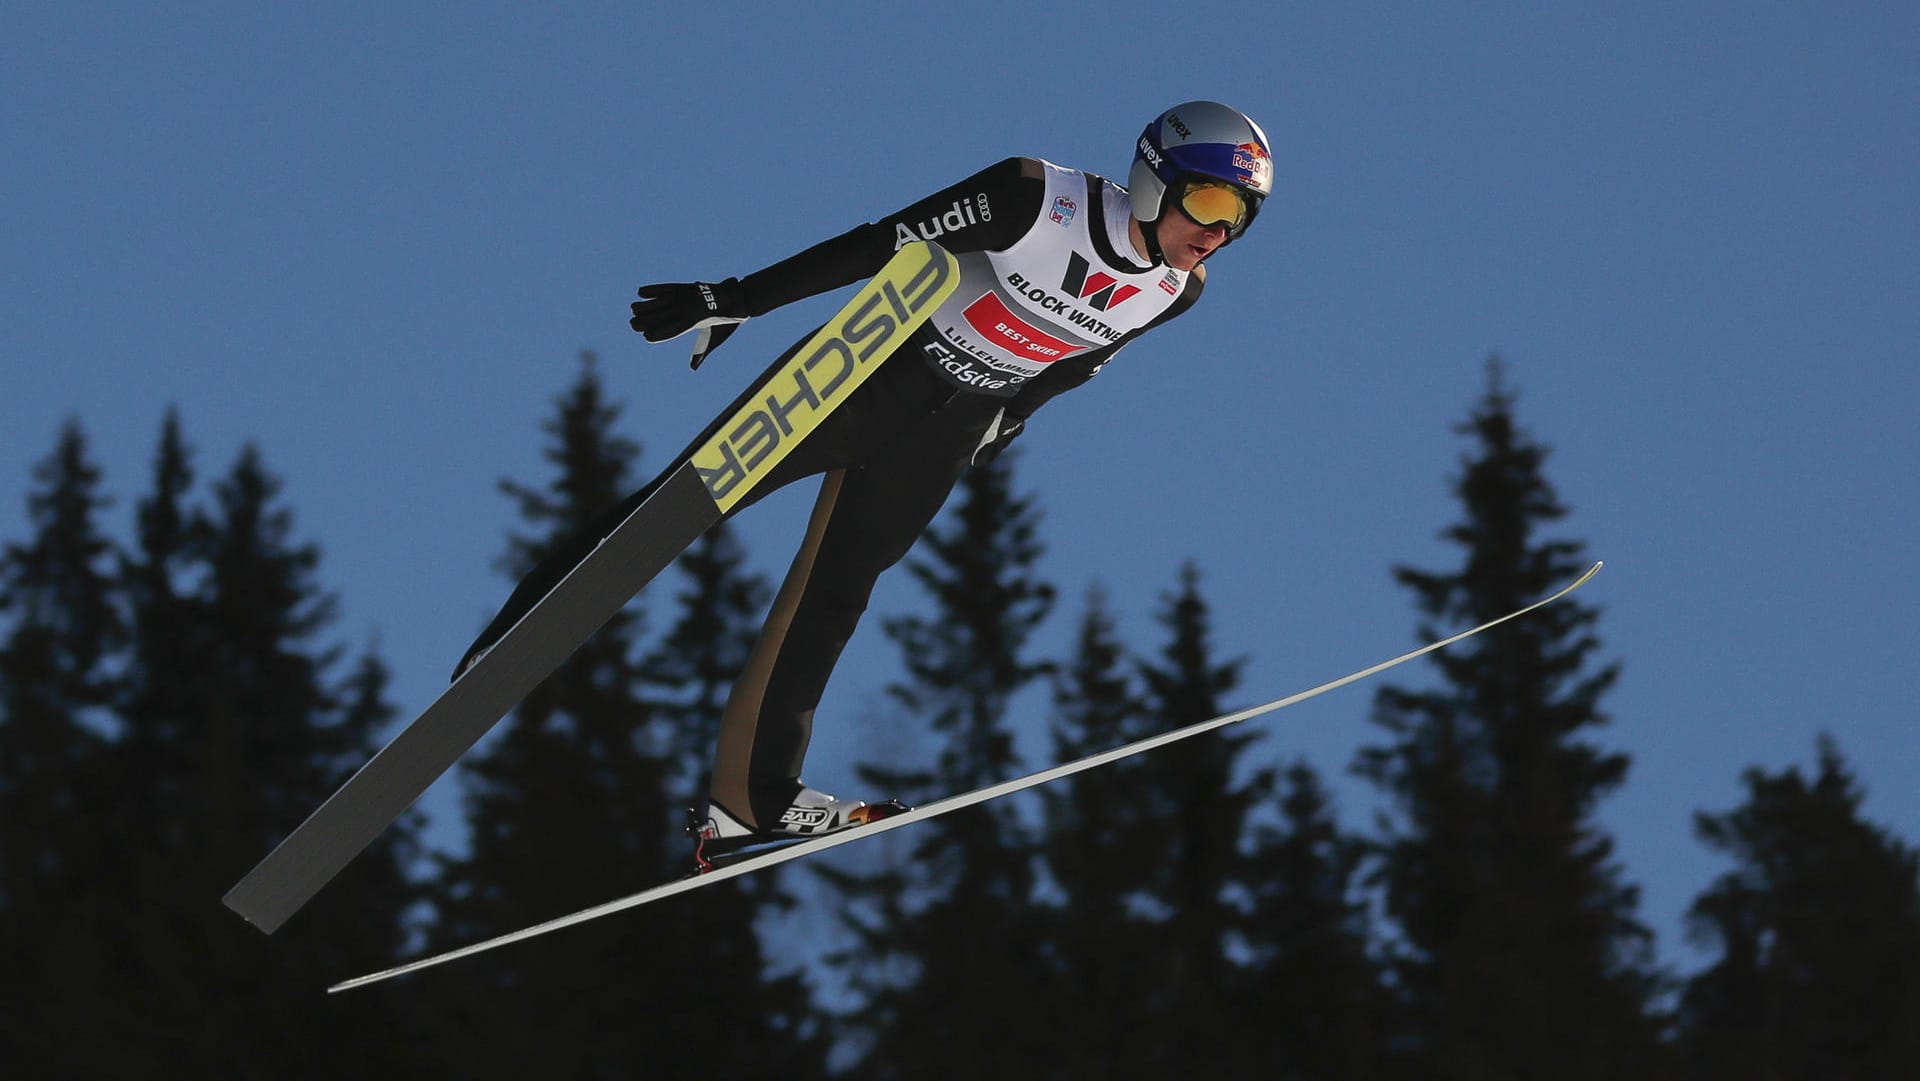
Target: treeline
column 172, row 702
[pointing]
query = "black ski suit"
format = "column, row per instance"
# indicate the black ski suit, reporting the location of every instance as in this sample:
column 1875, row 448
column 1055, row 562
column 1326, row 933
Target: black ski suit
column 1051, row 288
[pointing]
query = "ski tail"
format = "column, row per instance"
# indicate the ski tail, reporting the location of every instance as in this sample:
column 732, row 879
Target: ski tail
column 723, row 469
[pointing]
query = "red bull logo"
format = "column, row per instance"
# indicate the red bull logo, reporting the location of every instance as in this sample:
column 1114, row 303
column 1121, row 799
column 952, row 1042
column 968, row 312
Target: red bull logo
column 1251, row 159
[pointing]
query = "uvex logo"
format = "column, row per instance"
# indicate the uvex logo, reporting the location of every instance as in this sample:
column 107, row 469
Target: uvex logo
column 1101, row 291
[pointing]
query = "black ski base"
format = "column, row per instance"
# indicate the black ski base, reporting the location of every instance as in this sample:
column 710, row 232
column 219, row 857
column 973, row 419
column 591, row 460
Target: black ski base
column 714, row 855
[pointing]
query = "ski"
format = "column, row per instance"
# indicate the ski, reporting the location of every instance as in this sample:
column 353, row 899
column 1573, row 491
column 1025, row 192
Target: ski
column 736, row 453
column 762, row 861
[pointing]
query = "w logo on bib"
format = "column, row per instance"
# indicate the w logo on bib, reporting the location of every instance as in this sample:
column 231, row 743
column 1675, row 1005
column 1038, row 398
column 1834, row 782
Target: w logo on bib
column 1100, row 291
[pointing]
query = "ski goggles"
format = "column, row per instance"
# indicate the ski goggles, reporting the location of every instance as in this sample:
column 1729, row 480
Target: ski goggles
column 1213, row 202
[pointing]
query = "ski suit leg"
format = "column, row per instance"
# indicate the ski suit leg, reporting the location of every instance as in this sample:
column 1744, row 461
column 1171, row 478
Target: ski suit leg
column 892, row 453
column 864, row 521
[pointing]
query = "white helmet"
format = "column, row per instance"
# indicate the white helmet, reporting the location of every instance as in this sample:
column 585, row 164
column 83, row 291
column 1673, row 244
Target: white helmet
column 1200, row 140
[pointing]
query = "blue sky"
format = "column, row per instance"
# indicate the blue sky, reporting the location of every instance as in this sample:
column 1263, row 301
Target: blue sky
column 374, row 238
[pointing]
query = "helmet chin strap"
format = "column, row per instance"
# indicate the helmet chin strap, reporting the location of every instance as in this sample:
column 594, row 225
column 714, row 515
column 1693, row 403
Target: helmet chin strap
column 1150, row 232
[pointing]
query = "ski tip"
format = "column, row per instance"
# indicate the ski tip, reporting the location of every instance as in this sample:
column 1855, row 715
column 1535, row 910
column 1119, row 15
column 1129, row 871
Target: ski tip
column 1583, row 579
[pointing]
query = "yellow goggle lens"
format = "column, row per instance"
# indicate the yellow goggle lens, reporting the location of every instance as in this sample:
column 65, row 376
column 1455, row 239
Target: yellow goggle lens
column 1215, row 204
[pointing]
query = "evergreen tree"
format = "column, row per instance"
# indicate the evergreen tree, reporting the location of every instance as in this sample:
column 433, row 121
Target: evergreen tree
column 225, row 730
column 572, row 804
column 60, row 630
column 935, row 1003
column 966, row 662
column 1522, row 955
column 59, row 586
column 1311, row 975
column 1195, row 809
column 1096, row 847
column 1145, row 851
column 56, row 595
column 1818, row 930
column 268, row 735
column 160, row 578
column 694, row 665
column 1099, row 837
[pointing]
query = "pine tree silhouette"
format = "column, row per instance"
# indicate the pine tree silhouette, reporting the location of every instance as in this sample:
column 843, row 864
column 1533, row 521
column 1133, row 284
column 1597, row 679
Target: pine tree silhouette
column 205, row 720
column 1818, row 931
column 693, row 667
column 1196, row 809
column 1098, row 844
column 57, row 872
column 970, row 879
column 1522, row 955
column 1311, row 975
column 578, row 801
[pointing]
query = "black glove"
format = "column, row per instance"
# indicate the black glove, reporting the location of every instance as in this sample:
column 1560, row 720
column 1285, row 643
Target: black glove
column 997, row 436
column 670, row 310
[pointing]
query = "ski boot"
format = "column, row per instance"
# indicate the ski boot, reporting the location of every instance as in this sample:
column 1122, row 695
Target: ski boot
column 720, row 837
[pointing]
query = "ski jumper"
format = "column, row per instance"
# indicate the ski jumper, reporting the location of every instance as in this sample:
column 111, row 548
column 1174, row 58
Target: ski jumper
column 1050, row 289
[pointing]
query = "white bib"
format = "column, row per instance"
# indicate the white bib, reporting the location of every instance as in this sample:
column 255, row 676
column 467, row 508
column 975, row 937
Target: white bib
column 1047, row 297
